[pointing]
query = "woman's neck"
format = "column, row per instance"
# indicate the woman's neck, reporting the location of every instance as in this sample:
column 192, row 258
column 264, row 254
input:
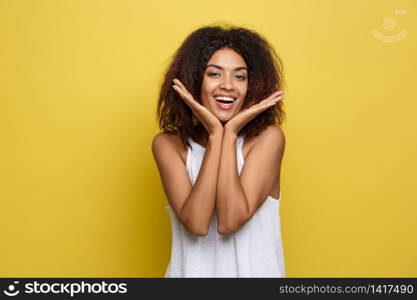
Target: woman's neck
column 202, row 135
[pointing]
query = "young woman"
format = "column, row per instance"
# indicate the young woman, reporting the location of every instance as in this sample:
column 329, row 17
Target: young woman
column 219, row 155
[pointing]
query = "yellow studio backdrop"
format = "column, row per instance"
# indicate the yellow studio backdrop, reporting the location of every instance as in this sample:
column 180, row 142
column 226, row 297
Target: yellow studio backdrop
column 81, row 195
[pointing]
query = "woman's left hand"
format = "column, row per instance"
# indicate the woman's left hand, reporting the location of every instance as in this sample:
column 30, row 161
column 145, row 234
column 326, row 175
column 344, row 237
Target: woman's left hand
column 235, row 124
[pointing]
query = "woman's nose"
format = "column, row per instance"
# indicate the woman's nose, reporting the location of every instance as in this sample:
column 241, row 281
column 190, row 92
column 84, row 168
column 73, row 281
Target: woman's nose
column 227, row 83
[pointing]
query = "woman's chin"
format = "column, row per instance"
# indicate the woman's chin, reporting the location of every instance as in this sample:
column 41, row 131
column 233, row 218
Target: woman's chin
column 224, row 120
column 224, row 117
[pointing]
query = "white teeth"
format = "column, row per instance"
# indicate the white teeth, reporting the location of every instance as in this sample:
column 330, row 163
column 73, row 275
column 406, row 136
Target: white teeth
column 229, row 99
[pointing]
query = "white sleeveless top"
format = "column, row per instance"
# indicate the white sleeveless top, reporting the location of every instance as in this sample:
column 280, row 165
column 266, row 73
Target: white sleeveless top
column 254, row 251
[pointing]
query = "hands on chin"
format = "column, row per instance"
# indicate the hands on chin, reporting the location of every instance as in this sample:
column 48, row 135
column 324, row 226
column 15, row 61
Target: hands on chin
column 235, row 124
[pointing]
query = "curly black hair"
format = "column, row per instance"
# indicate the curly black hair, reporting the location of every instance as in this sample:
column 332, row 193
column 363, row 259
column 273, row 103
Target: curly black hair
column 265, row 75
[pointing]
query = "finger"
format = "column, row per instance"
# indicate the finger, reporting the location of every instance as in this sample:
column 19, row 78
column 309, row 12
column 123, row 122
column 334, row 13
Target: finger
column 188, row 99
column 179, row 91
column 179, row 84
column 182, row 87
column 182, row 94
column 276, row 95
column 278, row 98
column 270, row 103
column 280, row 92
column 271, row 100
column 275, row 101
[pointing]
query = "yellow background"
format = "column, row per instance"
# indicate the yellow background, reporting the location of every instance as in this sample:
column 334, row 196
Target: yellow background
column 80, row 193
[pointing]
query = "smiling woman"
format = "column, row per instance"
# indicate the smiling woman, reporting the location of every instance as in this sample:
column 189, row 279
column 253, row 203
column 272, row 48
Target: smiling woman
column 219, row 155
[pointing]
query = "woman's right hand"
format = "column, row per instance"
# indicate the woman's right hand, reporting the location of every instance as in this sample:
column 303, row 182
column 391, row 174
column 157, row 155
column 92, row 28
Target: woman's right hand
column 209, row 121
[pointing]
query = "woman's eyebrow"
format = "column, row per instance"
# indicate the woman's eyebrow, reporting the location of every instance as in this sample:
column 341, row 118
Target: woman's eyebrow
column 218, row 67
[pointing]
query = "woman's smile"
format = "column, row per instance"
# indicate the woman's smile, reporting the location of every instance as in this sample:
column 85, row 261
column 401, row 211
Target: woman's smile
column 225, row 102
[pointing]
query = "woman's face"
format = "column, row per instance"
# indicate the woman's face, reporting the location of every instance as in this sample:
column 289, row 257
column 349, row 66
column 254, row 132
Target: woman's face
column 226, row 75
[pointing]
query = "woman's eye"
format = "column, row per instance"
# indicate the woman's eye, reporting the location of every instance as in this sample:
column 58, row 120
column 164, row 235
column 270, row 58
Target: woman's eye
column 238, row 76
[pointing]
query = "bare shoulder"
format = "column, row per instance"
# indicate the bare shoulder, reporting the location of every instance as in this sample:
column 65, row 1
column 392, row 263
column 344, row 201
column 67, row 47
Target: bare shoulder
column 274, row 132
column 272, row 137
column 167, row 144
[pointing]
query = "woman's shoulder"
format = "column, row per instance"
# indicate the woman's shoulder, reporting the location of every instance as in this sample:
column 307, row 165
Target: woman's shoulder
column 271, row 134
column 163, row 140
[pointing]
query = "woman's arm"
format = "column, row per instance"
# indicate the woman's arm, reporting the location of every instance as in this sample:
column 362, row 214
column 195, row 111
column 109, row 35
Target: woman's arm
column 238, row 198
column 193, row 205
